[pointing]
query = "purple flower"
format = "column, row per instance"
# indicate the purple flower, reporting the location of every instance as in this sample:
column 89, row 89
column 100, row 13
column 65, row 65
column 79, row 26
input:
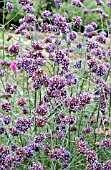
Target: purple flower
column 102, row 70
column 6, row 106
column 2, row 130
column 4, row 152
column 23, row 124
column 39, row 79
column 89, row 28
column 65, row 165
column 7, row 119
column 97, row 10
column 29, row 19
column 41, row 110
column 25, row 110
column 55, row 87
column 50, row 48
column 87, row 130
column 60, row 134
column 9, row 6
column 21, row 102
column 73, row 35
column 101, row 39
column 9, row 88
column 57, row 2
column 60, row 54
column 36, row 166
column 78, row 64
column 14, row 49
column 73, row 103
column 30, row 37
column 82, row 147
column 58, row 41
column 40, row 121
column 71, row 119
column 60, row 24
column 37, row 45
column 91, row 156
column 25, row 2
column 45, row 27
column 77, row 20
column 46, row 14
column 34, row 146
column 104, row 15
column 85, row 11
column 76, row 3
column 1, row 73
column 29, row 9
column 94, row 24
column 59, row 154
column 94, row 166
column 85, row 99
column 70, row 79
column 107, row 165
column 93, row 65
column 79, row 45
column 109, row 4
column 29, row 153
column 105, row 144
column 40, row 138
column 13, row 131
column 99, row 2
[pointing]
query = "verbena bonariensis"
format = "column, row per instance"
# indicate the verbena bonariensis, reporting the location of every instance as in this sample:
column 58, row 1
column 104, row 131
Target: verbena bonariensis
column 55, row 92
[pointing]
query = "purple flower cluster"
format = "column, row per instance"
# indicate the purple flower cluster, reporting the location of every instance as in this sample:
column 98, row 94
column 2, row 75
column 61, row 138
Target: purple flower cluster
column 57, row 2
column 13, row 131
column 73, row 35
column 99, row 2
column 35, row 144
column 99, row 70
column 14, row 49
column 39, row 79
column 56, row 87
column 9, row 88
column 28, row 9
column 21, row 102
column 59, row 154
column 6, row 106
column 25, row 2
column 70, row 79
column 40, row 121
column 107, row 165
column 9, row 6
column 77, row 20
column 63, row 90
column 60, row 23
column 77, row 3
column 109, row 4
column 41, row 110
column 36, row 166
column 105, row 144
column 7, row 120
column 2, row 73
column 46, row 14
column 77, row 103
column 61, row 122
column 23, row 124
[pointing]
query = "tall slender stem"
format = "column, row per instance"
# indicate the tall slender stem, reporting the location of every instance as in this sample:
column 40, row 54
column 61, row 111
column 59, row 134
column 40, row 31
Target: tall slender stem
column 3, row 33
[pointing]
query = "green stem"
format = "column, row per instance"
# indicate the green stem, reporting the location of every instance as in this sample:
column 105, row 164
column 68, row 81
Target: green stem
column 28, row 95
column 3, row 34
